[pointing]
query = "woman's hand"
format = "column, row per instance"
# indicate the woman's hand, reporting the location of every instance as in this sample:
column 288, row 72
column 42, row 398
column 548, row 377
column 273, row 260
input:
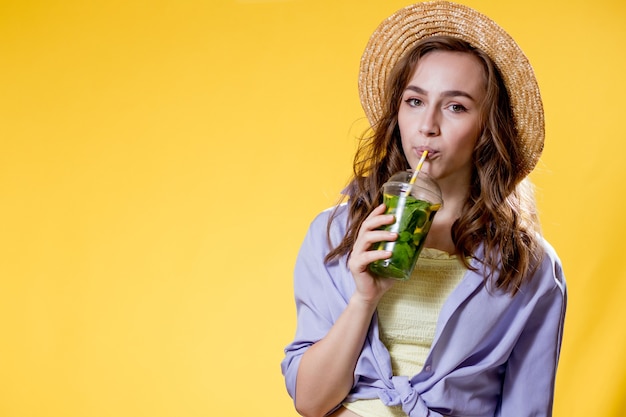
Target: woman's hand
column 326, row 371
column 370, row 288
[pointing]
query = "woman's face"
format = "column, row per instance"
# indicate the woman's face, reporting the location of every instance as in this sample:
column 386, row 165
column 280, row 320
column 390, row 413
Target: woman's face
column 440, row 113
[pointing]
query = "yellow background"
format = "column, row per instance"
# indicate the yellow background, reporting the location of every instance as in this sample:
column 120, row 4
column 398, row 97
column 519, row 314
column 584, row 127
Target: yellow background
column 160, row 162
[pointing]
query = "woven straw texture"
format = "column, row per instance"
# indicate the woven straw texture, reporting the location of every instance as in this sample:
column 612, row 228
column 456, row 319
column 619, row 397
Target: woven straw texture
column 398, row 34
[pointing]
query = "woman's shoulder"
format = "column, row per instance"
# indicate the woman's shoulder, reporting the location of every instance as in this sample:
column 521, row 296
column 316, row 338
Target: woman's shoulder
column 549, row 253
column 339, row 216
column 550, row 270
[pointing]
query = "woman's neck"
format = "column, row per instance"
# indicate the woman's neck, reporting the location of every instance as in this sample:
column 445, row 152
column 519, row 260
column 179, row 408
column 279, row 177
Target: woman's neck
column 440, row 234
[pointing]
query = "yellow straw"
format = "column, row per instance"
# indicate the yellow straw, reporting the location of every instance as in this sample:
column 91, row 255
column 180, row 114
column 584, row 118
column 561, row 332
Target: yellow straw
column 417, row 171
column 419, row 167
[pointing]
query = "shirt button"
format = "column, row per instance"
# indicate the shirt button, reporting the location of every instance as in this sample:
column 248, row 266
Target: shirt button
column 427, row 368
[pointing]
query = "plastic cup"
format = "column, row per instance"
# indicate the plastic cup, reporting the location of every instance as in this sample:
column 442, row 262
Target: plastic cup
column 414, row 213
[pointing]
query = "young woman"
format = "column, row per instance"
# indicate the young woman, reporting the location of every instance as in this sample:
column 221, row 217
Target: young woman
column 477, row 329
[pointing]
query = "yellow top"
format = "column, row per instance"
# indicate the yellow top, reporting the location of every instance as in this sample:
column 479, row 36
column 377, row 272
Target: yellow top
column 407, row 316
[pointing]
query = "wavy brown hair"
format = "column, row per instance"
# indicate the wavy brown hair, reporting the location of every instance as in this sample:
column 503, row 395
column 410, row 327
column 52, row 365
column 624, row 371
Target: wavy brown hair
column 499, row 214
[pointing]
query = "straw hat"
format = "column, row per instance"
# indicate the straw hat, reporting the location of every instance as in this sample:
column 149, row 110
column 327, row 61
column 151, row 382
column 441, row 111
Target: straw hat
column 398, row 34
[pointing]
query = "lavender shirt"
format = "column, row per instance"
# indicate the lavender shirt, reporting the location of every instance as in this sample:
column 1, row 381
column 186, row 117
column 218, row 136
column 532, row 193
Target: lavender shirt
column 492, row 355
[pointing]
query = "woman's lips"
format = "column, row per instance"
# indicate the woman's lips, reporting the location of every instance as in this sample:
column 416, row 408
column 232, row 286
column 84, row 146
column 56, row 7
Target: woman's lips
column 431, row 152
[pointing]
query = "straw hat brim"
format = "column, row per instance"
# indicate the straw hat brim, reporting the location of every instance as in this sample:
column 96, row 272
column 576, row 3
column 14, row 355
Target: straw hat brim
column 400, row 32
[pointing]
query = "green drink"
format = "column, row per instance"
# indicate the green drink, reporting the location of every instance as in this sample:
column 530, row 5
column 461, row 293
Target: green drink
column 414, row 213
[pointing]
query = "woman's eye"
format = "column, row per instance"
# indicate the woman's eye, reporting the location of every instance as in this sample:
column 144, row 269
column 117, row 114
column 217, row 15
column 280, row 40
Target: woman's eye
column 413, row 102
column 457, row 108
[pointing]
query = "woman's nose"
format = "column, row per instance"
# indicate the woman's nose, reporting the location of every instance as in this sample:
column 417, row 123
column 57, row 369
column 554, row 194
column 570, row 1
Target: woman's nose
column 429, row 124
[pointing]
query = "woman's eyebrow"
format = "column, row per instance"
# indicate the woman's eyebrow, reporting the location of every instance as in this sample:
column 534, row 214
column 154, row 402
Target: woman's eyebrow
column 449, row 93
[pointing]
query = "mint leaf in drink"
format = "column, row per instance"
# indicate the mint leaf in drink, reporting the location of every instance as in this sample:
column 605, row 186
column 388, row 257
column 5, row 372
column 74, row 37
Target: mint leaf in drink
column 413, row 219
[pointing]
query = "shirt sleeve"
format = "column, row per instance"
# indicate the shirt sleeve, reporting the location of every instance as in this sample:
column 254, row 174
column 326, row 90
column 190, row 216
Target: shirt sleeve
column 320, row 294
column 531, row 369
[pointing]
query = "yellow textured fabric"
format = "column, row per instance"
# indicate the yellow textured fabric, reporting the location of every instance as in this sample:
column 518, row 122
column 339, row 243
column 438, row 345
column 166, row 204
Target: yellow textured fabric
column 407, row 316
